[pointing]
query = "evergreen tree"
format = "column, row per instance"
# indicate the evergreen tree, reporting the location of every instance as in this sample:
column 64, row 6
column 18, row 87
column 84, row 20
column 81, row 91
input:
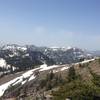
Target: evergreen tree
column 71, row 74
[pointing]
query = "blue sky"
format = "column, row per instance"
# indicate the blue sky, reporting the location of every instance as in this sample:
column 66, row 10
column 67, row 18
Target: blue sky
column 51, row 22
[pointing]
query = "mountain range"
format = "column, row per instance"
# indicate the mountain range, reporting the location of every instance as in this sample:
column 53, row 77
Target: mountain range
column 14, row 57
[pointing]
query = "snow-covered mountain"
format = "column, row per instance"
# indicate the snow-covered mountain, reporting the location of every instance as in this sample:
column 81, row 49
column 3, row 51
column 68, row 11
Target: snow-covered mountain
column 66, row 55
column 18, row 57
column 13, row 47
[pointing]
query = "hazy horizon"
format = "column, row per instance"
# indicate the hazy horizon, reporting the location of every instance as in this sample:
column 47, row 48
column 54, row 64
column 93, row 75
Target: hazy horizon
column 51, row 23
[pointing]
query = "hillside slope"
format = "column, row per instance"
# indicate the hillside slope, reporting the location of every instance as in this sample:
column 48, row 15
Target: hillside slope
column 79, row 81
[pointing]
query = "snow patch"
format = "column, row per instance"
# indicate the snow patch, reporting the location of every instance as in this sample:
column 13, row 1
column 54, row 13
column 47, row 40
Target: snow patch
column 69, row 47
column 86, row 61
column 31, row 78
column 45, row 67
column 2, row 62
column 64, row 68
